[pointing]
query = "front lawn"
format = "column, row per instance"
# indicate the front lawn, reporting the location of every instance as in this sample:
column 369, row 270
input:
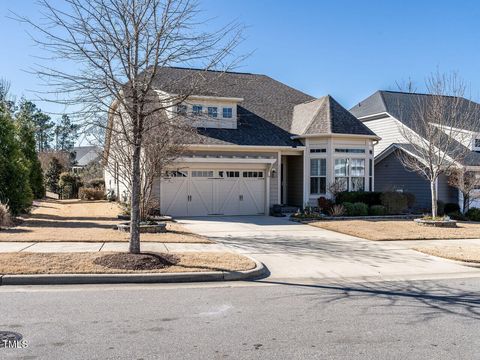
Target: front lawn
column 85, row 221
column 384, row 230
column 88, row 263
column 467, row 253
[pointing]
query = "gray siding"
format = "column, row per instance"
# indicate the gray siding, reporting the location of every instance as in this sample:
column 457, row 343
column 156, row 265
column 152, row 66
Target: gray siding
column 391, row 175
column 295, row 181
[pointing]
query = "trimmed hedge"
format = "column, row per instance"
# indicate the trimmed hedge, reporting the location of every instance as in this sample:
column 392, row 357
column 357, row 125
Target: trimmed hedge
column 451, row 208
column 377, row 210
column 369, row 198
column 473, row 214
column 91, row 194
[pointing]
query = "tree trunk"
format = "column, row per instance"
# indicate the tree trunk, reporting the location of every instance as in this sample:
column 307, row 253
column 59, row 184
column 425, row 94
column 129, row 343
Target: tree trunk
column 135, row 202
column 466, row 202
column 433, row 191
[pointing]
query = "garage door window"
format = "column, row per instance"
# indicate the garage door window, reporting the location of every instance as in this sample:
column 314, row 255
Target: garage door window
column 176, row 174
column 202, row 173
column 253, row 174
column 232, row 174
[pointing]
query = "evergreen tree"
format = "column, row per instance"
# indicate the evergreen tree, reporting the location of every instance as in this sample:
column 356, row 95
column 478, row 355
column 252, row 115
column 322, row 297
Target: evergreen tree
column 14, row 173
column 52, row 175
column 66, row 133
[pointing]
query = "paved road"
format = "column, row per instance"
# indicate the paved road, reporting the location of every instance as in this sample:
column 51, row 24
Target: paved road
column 390, row 320
column 296, row 251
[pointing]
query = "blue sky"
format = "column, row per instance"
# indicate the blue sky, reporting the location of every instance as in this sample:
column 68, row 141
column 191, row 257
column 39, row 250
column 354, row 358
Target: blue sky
column 348, row 49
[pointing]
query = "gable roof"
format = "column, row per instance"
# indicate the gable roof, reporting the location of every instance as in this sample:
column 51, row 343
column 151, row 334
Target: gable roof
column 403, row 105
column 266, row 116
column 326, row 116
column 86, row 154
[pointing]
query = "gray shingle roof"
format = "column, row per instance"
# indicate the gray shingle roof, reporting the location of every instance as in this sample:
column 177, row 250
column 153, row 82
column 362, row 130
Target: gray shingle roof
column 326, row 116
column 265, row 116
column 86, row 154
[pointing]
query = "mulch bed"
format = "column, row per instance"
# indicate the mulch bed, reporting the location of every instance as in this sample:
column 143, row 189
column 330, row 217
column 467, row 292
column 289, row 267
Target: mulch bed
column 142, row 261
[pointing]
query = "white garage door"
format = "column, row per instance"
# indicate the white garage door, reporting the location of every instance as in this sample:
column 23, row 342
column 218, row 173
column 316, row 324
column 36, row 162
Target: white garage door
column 213, row 192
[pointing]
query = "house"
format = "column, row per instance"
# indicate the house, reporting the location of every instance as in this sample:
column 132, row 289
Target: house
column 84, row 155
column 384, row 112
column 261, row 143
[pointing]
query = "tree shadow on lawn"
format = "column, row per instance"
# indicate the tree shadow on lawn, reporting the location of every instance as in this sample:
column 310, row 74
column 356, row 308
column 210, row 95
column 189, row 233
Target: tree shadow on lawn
column 32, row 223
column 438, row 299
column 71, row 218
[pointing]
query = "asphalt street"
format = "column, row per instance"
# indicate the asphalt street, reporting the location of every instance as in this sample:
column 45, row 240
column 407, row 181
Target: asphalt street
column 430, row 319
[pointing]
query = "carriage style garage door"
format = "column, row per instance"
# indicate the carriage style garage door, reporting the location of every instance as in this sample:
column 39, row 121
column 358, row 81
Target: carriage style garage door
column 213, row 192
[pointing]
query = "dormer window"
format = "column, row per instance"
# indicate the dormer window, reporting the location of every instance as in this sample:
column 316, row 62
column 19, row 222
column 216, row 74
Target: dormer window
column 476, row 144
column 197, row 109
column 227, row 112
column 212, row 111
column 182, row 110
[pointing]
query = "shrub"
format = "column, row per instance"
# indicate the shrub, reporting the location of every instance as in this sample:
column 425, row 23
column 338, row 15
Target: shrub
column 91, row 194
column 394, row 202
column 52, row 175
column 325, row 204
column 457, row 215
column 410, row 199
column 451, row 208
column 369, row 198
column 473, row 214
column 337, row 210
column 360, row 209
column 348, row 208
column 377, row 210
column 68, row 184
column 96, row 183
column 440, row 208
column 5, row 219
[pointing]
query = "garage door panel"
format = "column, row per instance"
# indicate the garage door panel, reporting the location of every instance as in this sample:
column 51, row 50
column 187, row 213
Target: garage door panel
column 253, row 197
column 227, row 194
column 201, row 197
column 174, row 194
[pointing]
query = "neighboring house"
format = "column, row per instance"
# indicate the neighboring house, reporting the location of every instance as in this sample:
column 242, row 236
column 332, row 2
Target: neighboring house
column 384, row 112
column 262, row 143
column 84, row 155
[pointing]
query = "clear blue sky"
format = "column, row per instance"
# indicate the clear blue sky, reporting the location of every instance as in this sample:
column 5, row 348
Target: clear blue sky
column 348, row 49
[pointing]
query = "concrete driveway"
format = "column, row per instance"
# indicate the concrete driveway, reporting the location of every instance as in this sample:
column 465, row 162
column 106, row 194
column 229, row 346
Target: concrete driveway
column 297, row 251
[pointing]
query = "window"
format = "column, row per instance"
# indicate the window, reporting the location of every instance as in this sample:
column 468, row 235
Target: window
column 477, row 143
column 232, row 174
column 212, row 111
column 182, row 109
column 357, row 173
column 313, row 151
column 370, row 175
column 197, row 109
column 253, row 174
column 350, row 174
column 176, row 174
column 202, row 173
column 350, row 151
column 227, row 113
column 341, row 174
column 318, row 176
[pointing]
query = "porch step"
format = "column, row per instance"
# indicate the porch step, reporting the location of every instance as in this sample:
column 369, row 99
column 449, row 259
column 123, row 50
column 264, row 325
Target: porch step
column 287, row 209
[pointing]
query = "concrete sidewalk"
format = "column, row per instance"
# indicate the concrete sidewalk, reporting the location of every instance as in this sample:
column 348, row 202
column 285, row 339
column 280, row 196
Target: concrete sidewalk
column 107, row 246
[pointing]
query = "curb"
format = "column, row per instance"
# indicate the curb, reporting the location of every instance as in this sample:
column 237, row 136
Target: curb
column 70, row 279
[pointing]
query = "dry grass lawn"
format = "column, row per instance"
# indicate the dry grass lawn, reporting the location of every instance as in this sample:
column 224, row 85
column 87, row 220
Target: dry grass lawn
column 468, row 253
column 76, row 220
column 83, row 263
column 384, row 230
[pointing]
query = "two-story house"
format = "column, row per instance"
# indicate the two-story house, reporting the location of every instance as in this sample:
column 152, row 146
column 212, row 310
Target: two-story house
column 261, row 143
column 384, row 112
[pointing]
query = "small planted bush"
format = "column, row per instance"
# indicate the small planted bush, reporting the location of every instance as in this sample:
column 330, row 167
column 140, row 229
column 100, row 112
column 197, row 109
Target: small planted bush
column 473, row 214
column 440, row 208
column 324, row 204
column 451, row 208
column 348, row 208
column 377, row 210
column 5, row 219
column 337, row 210
column 394, row 202
column 360, row 209
column 91, row 194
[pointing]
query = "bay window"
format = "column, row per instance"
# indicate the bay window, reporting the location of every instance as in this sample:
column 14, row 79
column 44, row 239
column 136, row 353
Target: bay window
column 341, row 174
column 350, row 174
column 318, row 176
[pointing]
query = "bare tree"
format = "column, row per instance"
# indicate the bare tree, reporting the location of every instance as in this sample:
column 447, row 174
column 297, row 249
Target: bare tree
column 436, row 129
column 116, row 49
column 467, row 182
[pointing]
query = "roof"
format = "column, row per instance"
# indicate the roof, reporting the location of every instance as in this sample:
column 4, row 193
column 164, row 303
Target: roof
column 326, row 116
column 86, row 154
column 403, row 105
column 266, row 114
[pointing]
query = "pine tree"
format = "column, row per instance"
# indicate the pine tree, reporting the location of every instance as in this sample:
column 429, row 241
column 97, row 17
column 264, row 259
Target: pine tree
column 14, row 173
column 66, row 133
column 52, row 175
column 26, row 134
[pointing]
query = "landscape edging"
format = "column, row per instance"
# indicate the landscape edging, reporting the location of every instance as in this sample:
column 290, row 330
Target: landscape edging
column 71, row 279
